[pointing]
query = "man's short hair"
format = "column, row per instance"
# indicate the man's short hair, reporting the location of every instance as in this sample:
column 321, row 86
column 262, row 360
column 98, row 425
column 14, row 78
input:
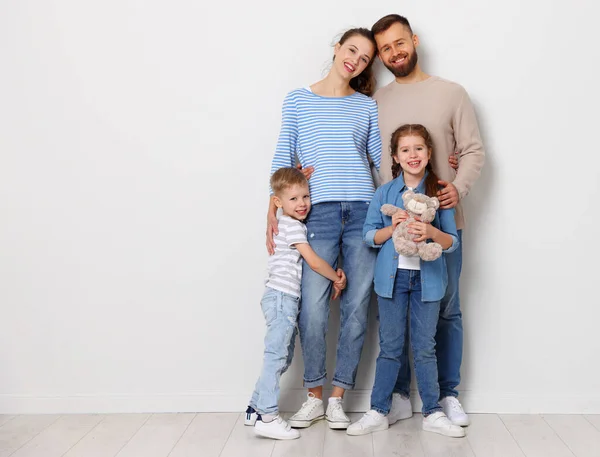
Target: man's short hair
column 387, row 21
column 285, row 178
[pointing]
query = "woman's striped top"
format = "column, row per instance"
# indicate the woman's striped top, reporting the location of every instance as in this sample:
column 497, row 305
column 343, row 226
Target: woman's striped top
column 334, row 135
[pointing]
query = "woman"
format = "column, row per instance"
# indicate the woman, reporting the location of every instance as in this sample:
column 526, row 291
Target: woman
column 332, row 128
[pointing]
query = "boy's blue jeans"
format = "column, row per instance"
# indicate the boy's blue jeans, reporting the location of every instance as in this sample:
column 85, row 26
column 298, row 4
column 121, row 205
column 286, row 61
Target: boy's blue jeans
column 334, row 227
column 281, row 312
column 449, row 336
column 393, row 319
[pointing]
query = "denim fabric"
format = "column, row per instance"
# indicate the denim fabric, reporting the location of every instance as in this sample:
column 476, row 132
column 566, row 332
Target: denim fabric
column 280, row 311
column 331, row 227
column 434, row 275
column 393, row 320
column 449, row 336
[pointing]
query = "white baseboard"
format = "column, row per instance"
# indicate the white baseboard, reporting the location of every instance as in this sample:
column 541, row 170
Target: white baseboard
column 291, row 399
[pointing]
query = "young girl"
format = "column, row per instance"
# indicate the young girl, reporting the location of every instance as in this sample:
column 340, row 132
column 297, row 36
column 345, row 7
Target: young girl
column 407, row 284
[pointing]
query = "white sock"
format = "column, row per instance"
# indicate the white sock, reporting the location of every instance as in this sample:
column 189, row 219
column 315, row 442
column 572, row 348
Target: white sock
column 266, row 418
column 335, row 400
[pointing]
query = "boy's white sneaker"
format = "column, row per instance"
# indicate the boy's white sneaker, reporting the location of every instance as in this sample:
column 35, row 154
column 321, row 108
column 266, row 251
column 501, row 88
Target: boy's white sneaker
column 401, row 409
column 310, row 412
column 454, row 410
column 336, row 417
column 372, row 421
column 250, row 416
column 439, row 423
column 277, row 429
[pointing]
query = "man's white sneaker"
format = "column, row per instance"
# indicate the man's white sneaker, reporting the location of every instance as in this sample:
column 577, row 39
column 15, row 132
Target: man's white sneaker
column 277, row 429
column 311, row 412
column 439, row 423
column 401, row 409
column 454, row 410
column 372, row 421
column 250, row 416
column 336, row 417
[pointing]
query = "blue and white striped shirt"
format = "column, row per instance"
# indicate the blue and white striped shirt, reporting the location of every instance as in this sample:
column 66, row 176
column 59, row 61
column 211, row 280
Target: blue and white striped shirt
column 334, row 135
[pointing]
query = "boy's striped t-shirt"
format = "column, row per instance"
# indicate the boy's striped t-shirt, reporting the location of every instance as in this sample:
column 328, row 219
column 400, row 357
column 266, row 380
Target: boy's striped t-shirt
column 335, row 135
column 285, row 266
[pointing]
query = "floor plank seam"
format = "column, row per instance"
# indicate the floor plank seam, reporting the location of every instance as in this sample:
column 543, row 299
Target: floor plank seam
column 86, row 434
column 135, row 433
column 585, row 417
column 229, row 436
column 35, row 436
column 511, row 435
column 8, row 421
column 558, row 435
column 179, row 439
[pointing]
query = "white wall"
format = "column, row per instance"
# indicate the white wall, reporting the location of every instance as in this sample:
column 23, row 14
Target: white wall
column 136, row 139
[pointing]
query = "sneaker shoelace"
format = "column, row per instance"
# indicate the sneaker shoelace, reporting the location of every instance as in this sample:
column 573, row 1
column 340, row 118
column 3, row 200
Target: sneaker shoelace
column 369, row 417
column 307, row 406
column 455, row 405
column 337, row 412
column 280, row 420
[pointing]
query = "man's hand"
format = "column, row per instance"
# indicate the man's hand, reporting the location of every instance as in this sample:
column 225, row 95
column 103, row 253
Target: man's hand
column 448, row 196
column 339, row 285
column 307, row 172
column 453, row 161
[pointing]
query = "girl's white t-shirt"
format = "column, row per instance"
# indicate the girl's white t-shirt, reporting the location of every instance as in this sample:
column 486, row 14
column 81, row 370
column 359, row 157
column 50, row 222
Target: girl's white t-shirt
column 409, row 263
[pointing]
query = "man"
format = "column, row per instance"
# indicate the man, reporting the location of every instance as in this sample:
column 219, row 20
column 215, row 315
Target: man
column 445, row 109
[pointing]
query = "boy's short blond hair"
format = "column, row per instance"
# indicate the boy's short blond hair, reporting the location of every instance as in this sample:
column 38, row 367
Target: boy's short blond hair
column 285, row 178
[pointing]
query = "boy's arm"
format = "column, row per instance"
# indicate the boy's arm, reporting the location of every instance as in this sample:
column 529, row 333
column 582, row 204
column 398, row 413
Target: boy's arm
column 315, row 262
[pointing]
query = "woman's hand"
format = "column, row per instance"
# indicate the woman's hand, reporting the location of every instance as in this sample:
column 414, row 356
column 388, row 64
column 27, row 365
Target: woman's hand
column 272, row 226
column 307, row 172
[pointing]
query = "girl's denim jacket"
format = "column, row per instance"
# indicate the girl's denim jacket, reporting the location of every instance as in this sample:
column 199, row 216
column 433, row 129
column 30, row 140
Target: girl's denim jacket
column 434, row 276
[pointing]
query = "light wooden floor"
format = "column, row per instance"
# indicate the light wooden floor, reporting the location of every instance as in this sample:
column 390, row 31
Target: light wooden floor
column 224, row 435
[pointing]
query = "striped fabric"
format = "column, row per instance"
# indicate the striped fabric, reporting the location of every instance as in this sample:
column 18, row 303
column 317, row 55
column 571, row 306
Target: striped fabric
column 334, row 135
column 285, row 266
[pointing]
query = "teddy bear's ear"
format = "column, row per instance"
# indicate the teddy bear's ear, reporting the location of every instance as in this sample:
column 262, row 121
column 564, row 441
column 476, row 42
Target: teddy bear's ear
column 433, row 202
column 408, row 196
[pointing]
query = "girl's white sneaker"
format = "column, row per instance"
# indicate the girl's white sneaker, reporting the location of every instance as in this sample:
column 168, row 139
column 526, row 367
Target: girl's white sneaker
column 372, row 421
column 439, row 423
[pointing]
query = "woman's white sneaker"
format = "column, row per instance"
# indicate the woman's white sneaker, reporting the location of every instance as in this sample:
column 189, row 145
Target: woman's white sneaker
column 401, row 409
column 335, row 415
column 454, row 410
column 439, row 423
column 277, row 429
column 372, row 421
column 311, row 412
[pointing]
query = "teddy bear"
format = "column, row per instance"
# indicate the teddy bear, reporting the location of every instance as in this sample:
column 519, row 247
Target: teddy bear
column 423, row 207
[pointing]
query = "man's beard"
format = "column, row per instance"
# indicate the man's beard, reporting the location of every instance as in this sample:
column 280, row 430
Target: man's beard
column 406, row 69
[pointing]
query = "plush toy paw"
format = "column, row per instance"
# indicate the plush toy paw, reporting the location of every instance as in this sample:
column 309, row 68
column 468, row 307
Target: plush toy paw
column 417, row 206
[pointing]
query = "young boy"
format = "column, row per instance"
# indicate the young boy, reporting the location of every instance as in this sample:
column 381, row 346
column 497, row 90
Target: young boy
column 281, row 300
